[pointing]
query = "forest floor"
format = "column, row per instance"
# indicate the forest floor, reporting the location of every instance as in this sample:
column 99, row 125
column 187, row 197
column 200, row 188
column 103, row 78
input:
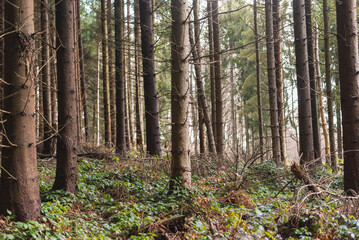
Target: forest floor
column 128, row 199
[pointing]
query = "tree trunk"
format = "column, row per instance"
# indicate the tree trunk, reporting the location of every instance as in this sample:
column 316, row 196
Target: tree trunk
column 339, row 120
column 66, row 169
column 149, row 78
column 320, row 95
column 181, row 168
column 111, row 72
column 137, row 28
column 313, row 92
column 19, row 189
column 105, row 73
column 46, row 80
column 195, row 45
column 82, row 74
column 217, row 78
column 303, row 88
column 129, row 77
column 211, row 68
column 98, row 130
column 349, row 89
column 259, row 98
column 279, row 74
column 54, row 89
column 121, row 147
column 272, row 87
column 328, row 82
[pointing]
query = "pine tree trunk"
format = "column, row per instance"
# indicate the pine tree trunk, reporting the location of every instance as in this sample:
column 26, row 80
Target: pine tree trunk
column 129, row 77
column 303, row 88
column 195, row 45
column 121, row 146
column 111, row 72
column 320, row 95
column 19, row 189
column 259, row 98
column 181, row 168
column 149, row 78
column 211, row 68
column 328, row 82
column 137, row 28
column 218, row 79
column 66, row 169
column 349, row 88
column 279, row 74
column 53, row 70
column 272, row 87
column 339, row 120
column 313, row 92
column 105, row 73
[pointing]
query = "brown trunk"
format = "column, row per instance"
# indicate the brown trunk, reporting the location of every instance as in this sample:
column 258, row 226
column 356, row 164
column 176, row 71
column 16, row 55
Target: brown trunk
column 66, row 169
column 139, row 138
column 2, row 29
column 233, row 109
column 129, row 77
column 303, row 88
column 46, row 79
column 181, row 167
column 328, row 82
column 195, row 45
column 82, row 75
column 349, row 90
column 149, row 78
column 19, row 189
column 105, row 73
column 218, row 79
column 279, row 74
column 259, row 98
column 211, row 68
column 111, row 72
column 272, row 87
column 339, row 120
column 313, row 92
column 121, row 147
column 320, row 95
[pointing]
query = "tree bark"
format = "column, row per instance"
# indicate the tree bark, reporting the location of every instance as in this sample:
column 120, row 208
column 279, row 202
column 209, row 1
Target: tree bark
column 66, row 169
column 313, row 92
column 279, row 74
column 328, row 81
column 54, row 89
column 218, row 79
column 149, row 79
column 320, row 95
column 195, row 46
column 339, row 120
column 272, row 87
column 349, row 89
column 303, row 88
column 121, row 146
column 137, row 29
column 181, row 168
column 19, row 189
column 259, row 97
column 105, row 73
column 129, row 77
column 111, row 72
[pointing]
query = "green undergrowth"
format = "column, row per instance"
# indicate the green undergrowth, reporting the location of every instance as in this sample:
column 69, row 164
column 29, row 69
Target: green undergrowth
column 119, row 201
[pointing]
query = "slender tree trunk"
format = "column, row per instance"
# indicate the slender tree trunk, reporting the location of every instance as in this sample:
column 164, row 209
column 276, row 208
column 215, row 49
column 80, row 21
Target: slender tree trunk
column 129, row 77
column 105, row 73
column 211, row 68
column 46, row 79
column 121, row 146
column 272, row 83
column 304, row 104
column 66, row 169
column 233, row 109
column 279, row 74
column 2, row 50
column 218, row 79
column 181, row 167
column 339, row 120
column 149, row 77
column 328, row 82
column 313, row 92
column 195, row 45
column 19, row 189
column 320, row 95
column 349, row 89
column 259, row 98
column 137, row 28
column 53, row 70
column 98, row 129
column 111, row 72
column 82, row 74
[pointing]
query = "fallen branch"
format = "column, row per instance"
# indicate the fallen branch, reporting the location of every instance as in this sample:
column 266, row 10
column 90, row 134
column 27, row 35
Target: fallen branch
column 303, row 176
